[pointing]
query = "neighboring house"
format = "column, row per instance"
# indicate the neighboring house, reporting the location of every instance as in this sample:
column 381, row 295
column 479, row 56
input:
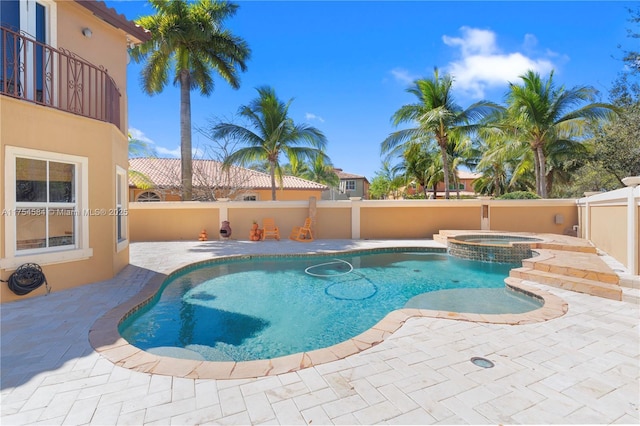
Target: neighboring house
column 464, row 185
column 158, row 179
column 63, row 140
column 350, row 186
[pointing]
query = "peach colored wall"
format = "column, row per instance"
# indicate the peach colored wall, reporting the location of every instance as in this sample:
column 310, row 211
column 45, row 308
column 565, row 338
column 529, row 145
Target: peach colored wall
column 332, row 223
column 241, row 218
column 608, row 230
column 538, row 218
column 166, row 222
column 105, row 147
column 107, row 46
column 416, row 222
column 378, row 219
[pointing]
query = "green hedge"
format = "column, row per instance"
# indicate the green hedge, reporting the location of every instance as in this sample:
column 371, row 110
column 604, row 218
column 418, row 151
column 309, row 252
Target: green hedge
column 519, row 195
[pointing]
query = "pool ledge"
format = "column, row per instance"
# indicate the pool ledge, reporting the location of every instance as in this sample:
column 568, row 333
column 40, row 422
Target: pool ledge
column 106, row 340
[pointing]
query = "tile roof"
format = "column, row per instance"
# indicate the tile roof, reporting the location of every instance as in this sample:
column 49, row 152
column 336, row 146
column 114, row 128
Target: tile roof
column 463, row 174
column 165, row 172
column 344, row 175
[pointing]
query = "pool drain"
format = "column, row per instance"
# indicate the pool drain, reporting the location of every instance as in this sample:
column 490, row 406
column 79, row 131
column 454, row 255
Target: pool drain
column 482, row 362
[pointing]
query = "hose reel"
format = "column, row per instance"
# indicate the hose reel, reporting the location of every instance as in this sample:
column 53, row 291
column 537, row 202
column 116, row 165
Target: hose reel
column 27, row 278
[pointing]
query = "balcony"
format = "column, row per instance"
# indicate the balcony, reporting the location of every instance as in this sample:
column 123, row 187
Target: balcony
column 57, row 78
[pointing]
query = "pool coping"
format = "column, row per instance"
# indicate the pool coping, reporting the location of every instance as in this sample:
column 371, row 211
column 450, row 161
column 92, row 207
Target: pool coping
column 105, row 338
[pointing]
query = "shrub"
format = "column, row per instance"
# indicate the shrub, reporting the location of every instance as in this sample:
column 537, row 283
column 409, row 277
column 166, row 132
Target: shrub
column 519, row 195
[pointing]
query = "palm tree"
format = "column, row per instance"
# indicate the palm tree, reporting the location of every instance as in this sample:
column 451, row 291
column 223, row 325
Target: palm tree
column 322, row 172
column 421, row 166
column 189, row 41
column 543, row 116
column 296, row 167
column 436, row 115
column 270, row 134
column 505, row 167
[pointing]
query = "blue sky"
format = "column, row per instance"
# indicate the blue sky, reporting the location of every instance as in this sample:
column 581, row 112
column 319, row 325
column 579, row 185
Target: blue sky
column 347, row 64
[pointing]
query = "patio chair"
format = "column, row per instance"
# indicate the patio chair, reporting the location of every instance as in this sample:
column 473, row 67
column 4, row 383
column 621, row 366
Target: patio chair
column 270, row 230
column 302, row 233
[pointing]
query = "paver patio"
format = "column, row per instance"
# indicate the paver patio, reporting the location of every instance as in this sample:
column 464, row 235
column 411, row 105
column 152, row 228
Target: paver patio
column 583, row 367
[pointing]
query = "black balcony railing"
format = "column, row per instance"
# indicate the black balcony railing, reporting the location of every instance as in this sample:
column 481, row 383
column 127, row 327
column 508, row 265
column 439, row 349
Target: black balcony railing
column 56, row 78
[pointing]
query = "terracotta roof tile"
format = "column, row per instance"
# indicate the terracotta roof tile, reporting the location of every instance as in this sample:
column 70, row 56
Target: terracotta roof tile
column 165, row 173
column 344, row 175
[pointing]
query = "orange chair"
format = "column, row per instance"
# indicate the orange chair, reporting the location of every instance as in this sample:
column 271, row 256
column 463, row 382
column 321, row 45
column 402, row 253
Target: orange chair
column 270, row 230
column 302, row 233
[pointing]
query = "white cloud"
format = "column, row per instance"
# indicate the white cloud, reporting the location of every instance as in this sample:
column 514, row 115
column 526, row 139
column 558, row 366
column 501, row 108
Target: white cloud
column 473, row 41
column 139, row 135
column 482, row 65
column 162, row 151
column 530, row 42
column 310, row 116
column 402, row 75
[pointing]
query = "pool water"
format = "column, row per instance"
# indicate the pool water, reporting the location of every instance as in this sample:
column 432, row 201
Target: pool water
column 270, row 307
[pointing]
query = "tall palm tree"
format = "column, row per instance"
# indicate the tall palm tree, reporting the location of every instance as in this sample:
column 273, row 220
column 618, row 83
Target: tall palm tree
column 436, row 115
column 188, row 40
column 542, row 116
column 270, row 134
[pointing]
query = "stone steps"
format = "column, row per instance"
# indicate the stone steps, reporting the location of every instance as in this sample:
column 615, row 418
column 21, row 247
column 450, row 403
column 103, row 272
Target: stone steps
column 570, row 264
column 579, row 265
column 572, row 283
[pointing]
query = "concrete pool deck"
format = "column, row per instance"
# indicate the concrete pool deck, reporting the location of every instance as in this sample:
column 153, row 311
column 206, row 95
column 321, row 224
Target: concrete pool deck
column 581, row 367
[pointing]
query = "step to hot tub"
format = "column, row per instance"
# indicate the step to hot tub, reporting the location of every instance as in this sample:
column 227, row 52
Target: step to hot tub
column 566, row 282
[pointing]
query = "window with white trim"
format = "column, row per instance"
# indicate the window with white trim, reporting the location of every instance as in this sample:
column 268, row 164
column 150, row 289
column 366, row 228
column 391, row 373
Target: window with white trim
column 121, row 208
column 350, row 185
column 45, row 198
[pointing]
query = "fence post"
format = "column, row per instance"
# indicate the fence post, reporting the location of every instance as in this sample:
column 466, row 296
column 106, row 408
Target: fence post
column 355, row 219
column 633, row 186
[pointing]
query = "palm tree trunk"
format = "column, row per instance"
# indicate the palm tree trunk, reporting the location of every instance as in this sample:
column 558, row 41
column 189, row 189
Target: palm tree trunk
column 185, row 136
column 536, row 169
column 445, row 168
column 542, row 188
column 272, row 173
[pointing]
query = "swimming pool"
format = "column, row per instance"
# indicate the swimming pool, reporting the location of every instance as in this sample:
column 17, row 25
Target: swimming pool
column 269, row 307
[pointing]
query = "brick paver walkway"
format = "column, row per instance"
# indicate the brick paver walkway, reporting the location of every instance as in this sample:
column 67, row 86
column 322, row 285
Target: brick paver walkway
column 580, row 368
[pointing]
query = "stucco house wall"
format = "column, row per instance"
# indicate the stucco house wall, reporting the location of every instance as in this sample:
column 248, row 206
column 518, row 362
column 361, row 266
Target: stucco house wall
column 97, row 151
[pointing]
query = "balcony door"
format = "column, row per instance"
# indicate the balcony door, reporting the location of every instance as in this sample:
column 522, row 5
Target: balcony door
column 25, row 64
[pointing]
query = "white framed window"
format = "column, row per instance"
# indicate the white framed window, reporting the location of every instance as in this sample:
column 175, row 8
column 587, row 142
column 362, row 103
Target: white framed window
column 350, row 185
column 46, row 196
column 122, row 239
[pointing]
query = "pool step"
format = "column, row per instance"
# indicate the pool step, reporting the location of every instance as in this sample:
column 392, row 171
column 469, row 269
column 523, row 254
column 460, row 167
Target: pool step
column 567, row 282
column 580, row 265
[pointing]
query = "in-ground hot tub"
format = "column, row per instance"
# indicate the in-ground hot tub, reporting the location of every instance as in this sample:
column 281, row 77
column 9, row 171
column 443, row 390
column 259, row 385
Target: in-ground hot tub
column 503, row 248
